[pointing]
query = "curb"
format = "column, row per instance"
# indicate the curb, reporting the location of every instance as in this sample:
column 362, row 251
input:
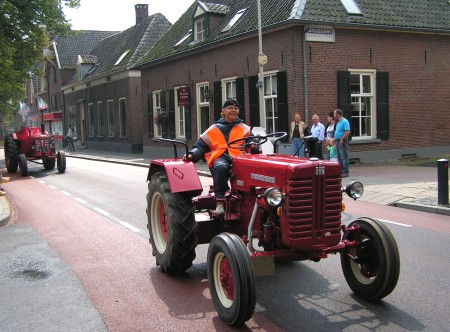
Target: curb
column 424, row 208
column 6, row 211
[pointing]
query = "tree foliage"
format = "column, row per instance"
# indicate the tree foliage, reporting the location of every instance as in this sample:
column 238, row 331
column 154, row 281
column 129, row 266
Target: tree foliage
column 25, row 28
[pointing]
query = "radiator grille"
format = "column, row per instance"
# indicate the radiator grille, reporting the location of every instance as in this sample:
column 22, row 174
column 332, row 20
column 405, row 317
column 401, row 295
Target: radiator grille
column 314, row 207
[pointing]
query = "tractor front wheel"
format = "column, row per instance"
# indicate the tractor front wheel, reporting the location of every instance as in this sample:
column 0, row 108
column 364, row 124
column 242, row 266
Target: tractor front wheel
column 49, row 163
column 371, row 269
column 231, row 279
column 171, row 224
column 23, row 167
column 61, row 161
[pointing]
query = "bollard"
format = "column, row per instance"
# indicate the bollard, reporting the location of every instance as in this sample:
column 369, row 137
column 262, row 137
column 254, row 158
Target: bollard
column 442, row 165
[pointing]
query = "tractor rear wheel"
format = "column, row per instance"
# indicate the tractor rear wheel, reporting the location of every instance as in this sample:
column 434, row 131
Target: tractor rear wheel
column 373, row 268
column 23, row 166
column 231, row 279
column 172, row 225
column 61, row 161
column 11, row 154
column 49, row 163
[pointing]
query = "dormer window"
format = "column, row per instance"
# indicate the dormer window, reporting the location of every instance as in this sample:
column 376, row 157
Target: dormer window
column 351, row 7
column 200, row 29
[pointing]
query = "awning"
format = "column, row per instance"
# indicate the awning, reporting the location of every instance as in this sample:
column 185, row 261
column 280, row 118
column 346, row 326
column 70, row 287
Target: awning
column 53, row 116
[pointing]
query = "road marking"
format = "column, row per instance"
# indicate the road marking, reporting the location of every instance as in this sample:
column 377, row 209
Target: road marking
column 53, row 187
column 41, row 181
column 102, row 211
column 66, row 193
column 133, row 160
column 81, row 200
column 395, row 223
column 129, row 226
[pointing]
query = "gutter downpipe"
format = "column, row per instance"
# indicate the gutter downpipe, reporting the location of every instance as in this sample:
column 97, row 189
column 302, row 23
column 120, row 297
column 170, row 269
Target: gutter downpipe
column 305, row 73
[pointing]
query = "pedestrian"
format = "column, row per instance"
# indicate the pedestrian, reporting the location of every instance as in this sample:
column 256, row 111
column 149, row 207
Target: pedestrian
column 3, row 179
column 329, row 132
column 331, row 150
column 296, row 135
column 69, row 138
column 341, row 135
column 318, row 130
column 212, row 146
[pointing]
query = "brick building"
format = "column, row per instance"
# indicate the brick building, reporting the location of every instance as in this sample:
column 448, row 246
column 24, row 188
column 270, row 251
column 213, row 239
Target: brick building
column 385, row 64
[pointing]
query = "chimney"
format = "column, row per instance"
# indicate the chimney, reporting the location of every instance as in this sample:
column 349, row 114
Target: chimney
column 141, row 12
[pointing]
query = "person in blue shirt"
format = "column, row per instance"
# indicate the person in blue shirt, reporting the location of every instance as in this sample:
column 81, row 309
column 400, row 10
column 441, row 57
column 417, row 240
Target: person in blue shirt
column 341, row 134
column 318, row 130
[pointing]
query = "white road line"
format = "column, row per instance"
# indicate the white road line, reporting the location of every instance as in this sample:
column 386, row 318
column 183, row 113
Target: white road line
column 129, row 226
column 101, row 211
column 137, row 159
column 41, row 181
column 81, row 200
column 395, row 223
column 66, row 193
column 53, row 187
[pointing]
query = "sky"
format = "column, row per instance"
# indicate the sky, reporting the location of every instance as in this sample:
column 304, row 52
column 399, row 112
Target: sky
column 119, row 15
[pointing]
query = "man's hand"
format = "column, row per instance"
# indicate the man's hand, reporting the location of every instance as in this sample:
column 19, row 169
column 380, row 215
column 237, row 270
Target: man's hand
column 187, row 157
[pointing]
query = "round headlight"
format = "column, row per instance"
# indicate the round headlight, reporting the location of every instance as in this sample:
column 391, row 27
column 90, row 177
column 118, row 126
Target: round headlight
column 273, row 196
column 354, row 189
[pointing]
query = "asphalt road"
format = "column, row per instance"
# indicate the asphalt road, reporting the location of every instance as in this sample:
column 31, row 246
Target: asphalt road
column 93, row 220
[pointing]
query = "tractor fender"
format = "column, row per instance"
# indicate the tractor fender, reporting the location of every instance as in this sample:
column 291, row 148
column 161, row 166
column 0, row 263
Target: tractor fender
column 182, row 175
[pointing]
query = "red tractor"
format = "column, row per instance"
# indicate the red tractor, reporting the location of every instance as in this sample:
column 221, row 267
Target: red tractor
column 279, row 207
column 31, row 144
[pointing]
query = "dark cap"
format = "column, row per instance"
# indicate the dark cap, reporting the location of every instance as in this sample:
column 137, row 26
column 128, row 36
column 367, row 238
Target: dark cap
column 230, row 102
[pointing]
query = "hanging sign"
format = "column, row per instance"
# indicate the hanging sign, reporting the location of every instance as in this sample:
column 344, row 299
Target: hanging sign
column 183, row 97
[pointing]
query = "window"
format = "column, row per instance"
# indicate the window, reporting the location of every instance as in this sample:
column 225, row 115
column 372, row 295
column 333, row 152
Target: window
column 271, row 102
column 100, row 121
column 157, row 113
column 122, row 117
column 180, row 117
column 362, row 104
column 124, row 54
column 351, row 7
column 229, row 86
column 203, row 98
column 199, row 30
column 110, row 111
column 234, row 20
column 182, row 40
column 91, row 120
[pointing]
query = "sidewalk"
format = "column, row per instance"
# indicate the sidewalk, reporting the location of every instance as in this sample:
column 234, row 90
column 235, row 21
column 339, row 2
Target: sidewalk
column 410, row 184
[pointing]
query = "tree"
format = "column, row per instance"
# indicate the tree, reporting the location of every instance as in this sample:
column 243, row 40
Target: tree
column 25, row 28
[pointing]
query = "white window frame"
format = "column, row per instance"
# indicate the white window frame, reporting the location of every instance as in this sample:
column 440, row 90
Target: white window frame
column 123, row 116
column 356, row 99
column 270, row 96
column 228, row 88
column 199, row 34
column 156, row 97
column 110, row 117
column 201, row 102
column 180, row 116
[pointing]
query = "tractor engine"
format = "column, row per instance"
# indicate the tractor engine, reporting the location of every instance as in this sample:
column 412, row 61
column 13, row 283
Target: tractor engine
column 299, row 200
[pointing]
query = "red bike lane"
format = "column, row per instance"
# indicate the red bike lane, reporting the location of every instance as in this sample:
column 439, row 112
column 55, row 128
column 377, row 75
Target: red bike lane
column 116, row 267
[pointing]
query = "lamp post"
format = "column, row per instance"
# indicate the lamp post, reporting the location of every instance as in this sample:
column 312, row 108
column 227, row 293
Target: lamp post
column 262, row 60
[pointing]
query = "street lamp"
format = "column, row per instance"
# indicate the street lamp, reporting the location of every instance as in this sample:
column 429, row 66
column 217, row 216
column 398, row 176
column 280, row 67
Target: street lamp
column 262, row 60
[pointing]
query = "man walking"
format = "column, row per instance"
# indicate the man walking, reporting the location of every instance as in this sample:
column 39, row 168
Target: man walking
column 69, row 136
column 341, row 134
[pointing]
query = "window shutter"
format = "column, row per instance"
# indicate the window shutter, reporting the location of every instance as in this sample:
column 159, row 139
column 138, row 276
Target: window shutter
column 150, row 115
column 344, row 96
column 282, row 97
column 383, row 105
column 187, row 123
column 217, row 100
column 253, row 97
column 169, row 131
column 240, row 96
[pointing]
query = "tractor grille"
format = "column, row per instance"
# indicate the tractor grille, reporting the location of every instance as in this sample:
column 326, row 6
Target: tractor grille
column 43, row 145
column 314, row 207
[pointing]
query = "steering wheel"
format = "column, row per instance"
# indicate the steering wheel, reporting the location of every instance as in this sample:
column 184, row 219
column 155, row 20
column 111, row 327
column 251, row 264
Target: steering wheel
column 248, row 142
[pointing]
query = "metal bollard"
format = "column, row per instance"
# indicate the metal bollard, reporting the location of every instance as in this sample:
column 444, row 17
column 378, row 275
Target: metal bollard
column 442, row 166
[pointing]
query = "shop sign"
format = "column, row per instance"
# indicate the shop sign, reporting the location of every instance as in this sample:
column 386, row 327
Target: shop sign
column 183, row 97
column 320, row 33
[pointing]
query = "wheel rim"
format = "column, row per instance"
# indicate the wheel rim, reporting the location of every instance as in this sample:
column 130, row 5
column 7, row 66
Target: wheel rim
column 159, row 223
column 366, row 269
column 223, row 280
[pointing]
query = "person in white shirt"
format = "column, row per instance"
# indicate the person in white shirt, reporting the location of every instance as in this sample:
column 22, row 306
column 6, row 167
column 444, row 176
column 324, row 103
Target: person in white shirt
column 69, row 137
column 318, row 130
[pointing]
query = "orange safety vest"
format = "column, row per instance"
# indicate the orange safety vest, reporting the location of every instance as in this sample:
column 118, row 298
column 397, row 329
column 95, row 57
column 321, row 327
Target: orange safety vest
column 215, row 139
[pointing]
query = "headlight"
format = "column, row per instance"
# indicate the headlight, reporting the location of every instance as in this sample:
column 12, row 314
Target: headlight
column 273, row 196
column 354, row 189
